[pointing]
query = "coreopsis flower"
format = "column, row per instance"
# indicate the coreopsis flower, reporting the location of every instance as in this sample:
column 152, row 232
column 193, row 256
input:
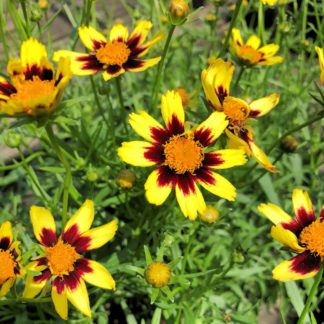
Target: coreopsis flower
column 181, row 156
column 320, row 54
column 158, row 274
column 304, row 235
column 251, row 53
column 35, row 89
column 216, row 83
column 62, row 265
column 10, row 267
column 121, row 53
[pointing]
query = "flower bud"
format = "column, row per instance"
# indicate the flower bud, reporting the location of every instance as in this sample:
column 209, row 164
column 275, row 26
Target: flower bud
column 36, row 13
column 12, row 139
column 238, row 257
column 43, row 4
column 92, row 175
column 126, row 179
column 178, row 10
column 210, row 215
column 158, row 274
column 289, row 144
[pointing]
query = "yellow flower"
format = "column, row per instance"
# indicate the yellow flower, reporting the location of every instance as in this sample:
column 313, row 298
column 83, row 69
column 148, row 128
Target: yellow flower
column 115, row 56
column 303, row 235
column 35, row 88
column 158, row 274
column 180, row 156
column 62, row 263
column 10, row 267
column 216, row 83
column 320, row 54
column 275, row 2
column 251, row 53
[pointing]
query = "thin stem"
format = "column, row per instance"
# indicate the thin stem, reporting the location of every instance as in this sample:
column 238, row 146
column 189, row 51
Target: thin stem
column 23, row 162
column 304, row 10
column 112, row 121
column 239, row 76
column 231, row 26
column 261, row 22
column 157, row 81
column 68, row 176
column 25, row 300
column 121, row 104
column 24, row 9
column 311, row 295
column 2, row 33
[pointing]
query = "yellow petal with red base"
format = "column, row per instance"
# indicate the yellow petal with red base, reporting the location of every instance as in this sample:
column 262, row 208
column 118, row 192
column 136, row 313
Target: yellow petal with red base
column 228, row 158
column 253, row 41
column 107, row 76
column 118, row 32
column 141, row 30
column 134, row 153
column 90, row 37
column 236, row 35
column 303, row 207
column 190, row 203
column 60, row 302
column 145, row 64
column 99, row 276
column 100, row 235
column 6, row 231
column 274, row 213
column 286, row 237
column 42, row 219
column 171, row 107
column 143, row 123
column 5, row 287
column 271, row 60
column 32, row 52
column 148, row 45
column 269, row 50
column 320, row 54
column 79, row 298
column 236, row 143
column 155, row 192
column 33, row 288
column 64, row 71
column 262, row 106
column 82, row 218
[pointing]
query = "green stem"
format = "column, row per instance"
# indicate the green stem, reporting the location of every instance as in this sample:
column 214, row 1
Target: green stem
column 239, row 76
column 25, row 300
column 304, row 10
column 2, row 33
column 68, row 176
column 261, row 23
column 311, row 295
column 24, row 9
column 22, row 163
column 157, row 81
column 231, row 26
column 121, row 104
column 112, row 121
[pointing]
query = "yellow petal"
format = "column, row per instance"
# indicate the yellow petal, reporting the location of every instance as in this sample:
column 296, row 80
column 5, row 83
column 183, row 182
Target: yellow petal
column 320, row 54
column 141, row 30
column 286, row 237
column 171, row 107
column 271, row 60
column 118, row 32
column 99, row 276
column 274, row 213
column 82, row 218
column 91, row 38
column 33, row 288
column 224, row 159
column 107, row 76
column 269, row 50
column 236, row 35
column 156, row 193
column 145, row 64
column 79, row 298
column 303, row 207
column 60, row 303
column 32, row 52
column 254, row 41
column 100, row 235
column 148, row 45
column 6, row 286
column 6, row 231
column 263, row 105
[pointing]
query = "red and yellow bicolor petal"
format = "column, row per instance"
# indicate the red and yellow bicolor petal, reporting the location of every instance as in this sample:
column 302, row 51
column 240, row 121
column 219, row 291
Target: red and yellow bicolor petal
column 304, row 265
column 189, row 197
column 224, row 159
column 275, row 214
column 118, row 32
column 82, row 219
column 43, row 225
column 63, row 73
column 216, row 184
column 236, row 37
column 286, row 237
column 141, row 31
column 210, row 129
column 81, row 63
column 144, row 125
column 60, row 302
column 96, row 237
column 32, row 53
column 173, row 112
column 269, row 50
column 148, row 45
column 91, row 38
column 262, row 106
column 253, row 41
column 99, row 276
column 303, row 207
column 78, row 297
column 140, row 153
column 112, row 72
column 33, row 286
column 158, row 186
column 216, row 82
column 320, row 54
column 141, row 65
column 5, row 235
column 6, row 89
column 6, row 286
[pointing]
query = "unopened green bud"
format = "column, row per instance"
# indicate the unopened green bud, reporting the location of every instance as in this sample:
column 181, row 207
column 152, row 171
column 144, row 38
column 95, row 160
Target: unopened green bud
column 36, row 13
column 289, row 144
column 12, row 139
column 178, row 11
column 92, row 176
column 238, row 257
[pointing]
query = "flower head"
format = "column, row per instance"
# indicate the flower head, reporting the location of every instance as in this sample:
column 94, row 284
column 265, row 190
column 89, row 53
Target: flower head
column 251, row 53
column 320, row 54
column 304, row 235
column 35, row 89
column 115, row 56
column 10, row 268
column 210, row 215
column 216, row 83
column 62, row 263
column 158, row 274
column 180, row 156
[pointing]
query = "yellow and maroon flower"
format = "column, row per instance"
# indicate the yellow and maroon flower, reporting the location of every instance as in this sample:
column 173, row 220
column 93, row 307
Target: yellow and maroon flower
column 35, row 89
column 10, row 268
column 216, row 83
column 62, row 264
column 320, row 54
column 181, row 156
column 304, row 235
column 114, row 56
column 251, row 53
